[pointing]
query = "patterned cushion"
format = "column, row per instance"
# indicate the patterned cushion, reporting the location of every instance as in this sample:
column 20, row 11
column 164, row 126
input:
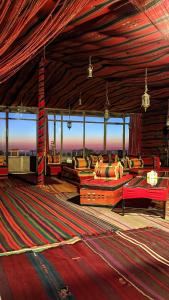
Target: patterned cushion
column 125, row 162
column 114, row 157
column 81, row 163
column 56, row 159
column 136, row 163
column 113, row 170
column 105, row 158
column 93, row 159
column 2, row 161
column 49, row 158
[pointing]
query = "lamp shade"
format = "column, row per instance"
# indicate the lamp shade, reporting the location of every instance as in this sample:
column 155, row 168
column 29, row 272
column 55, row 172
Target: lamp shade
column 145, row 100
column 69, row 124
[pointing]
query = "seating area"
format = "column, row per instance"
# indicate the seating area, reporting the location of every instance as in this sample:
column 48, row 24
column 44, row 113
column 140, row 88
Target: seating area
column 53, row 165
column 84, row 150
column 3, row 167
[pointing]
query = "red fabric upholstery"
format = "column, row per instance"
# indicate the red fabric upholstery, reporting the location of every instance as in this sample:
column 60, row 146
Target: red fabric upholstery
column 139, row 188
column 53, row 169
column 3, row 171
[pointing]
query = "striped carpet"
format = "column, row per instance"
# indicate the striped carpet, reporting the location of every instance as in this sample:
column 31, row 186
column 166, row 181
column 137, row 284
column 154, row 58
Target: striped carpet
column 33, row 218
column 133, row 219
column 120, row 266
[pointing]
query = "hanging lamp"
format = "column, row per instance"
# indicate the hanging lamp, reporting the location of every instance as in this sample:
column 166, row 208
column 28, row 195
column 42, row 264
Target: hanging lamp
column 167, row 121
column 107, row 103
column 90, row 68
column 80, row 99
column 69, row 123
column 146, row 96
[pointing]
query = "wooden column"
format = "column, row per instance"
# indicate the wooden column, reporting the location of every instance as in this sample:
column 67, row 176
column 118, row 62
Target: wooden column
column 41, row 124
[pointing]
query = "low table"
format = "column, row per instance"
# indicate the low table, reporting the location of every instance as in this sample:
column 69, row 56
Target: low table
column 139, row 188
column 105, row 192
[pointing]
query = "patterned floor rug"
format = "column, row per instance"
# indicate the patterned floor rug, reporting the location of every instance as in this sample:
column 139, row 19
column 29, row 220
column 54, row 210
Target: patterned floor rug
column 119, row 266
column 32, row 218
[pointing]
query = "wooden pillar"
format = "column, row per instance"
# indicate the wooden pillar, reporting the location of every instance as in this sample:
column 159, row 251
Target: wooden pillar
column 41, row 124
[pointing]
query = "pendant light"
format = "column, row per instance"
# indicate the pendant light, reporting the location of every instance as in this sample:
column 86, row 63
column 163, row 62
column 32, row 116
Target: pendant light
column 80, row 99
column 146, row 96
column 107, row 103
column 69, row 123
column 167, row 121
column 90, row 68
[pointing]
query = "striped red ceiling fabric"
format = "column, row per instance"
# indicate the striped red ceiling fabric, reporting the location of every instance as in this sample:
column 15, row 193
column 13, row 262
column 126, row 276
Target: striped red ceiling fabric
column 157, row 12
column 27, row 25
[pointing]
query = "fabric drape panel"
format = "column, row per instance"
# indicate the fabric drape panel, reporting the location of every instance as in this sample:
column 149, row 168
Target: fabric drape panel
column 28, row 25
column 41, row 123
column 47, row 135
column 156, row 12
column 135, row 134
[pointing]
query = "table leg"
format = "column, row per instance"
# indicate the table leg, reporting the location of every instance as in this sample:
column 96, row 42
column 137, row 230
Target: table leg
column 123, row 206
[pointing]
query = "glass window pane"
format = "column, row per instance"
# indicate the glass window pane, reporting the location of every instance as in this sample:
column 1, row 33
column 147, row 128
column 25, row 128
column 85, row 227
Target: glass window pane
column 50, row 117
column 2, row 137
column 94, row 138
column 51, row 133
column 94, row 119
column 58, row 137
column 73, row 118
column 58, row 117
column 17, row 115
column 51, row 136
column 126, row 138
column 115, row 120
column 127, row 119
column 72, row 140
column 22, row 136
column 2, row 114
column 114, row 138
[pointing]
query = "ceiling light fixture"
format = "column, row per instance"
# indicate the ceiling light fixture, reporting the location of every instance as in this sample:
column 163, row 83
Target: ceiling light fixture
column 69, row 123
column 90, row 68
column 167, row 121
column 107, row 103
column 80, row 99
column 146, row 96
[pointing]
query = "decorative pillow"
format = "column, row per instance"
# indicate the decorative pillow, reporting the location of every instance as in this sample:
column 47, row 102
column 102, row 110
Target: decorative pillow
column 125, row 162
column 136, row 163
column 113, row 170
column 94, row 159
column 107, row 172
column 56, row 159
column 105, row 158
column 81, row 163
column 49, row 158
column 2, row 161
column 114, row 157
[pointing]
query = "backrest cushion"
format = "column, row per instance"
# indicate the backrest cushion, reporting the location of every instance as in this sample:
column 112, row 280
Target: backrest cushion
column 136, row 163
column 2, row 160
column 49, row 159
column 56, row 159
column 81, row 162
column 113, row 170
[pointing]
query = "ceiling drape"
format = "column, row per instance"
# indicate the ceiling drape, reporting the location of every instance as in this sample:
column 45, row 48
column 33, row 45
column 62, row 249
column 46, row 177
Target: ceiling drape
column 157, row 11
column 28, row 25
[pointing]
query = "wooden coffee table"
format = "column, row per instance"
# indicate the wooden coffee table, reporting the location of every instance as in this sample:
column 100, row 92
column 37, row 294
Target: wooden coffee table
column 139, row 188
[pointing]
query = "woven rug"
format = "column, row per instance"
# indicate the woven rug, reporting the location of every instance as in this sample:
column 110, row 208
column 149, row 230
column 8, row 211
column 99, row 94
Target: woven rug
column 32, row 217
column 133, row 219
column 120, row 266
column 140, row 256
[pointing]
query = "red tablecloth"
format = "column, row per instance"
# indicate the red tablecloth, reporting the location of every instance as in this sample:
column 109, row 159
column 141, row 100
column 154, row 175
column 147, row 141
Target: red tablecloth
column 139, row 188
